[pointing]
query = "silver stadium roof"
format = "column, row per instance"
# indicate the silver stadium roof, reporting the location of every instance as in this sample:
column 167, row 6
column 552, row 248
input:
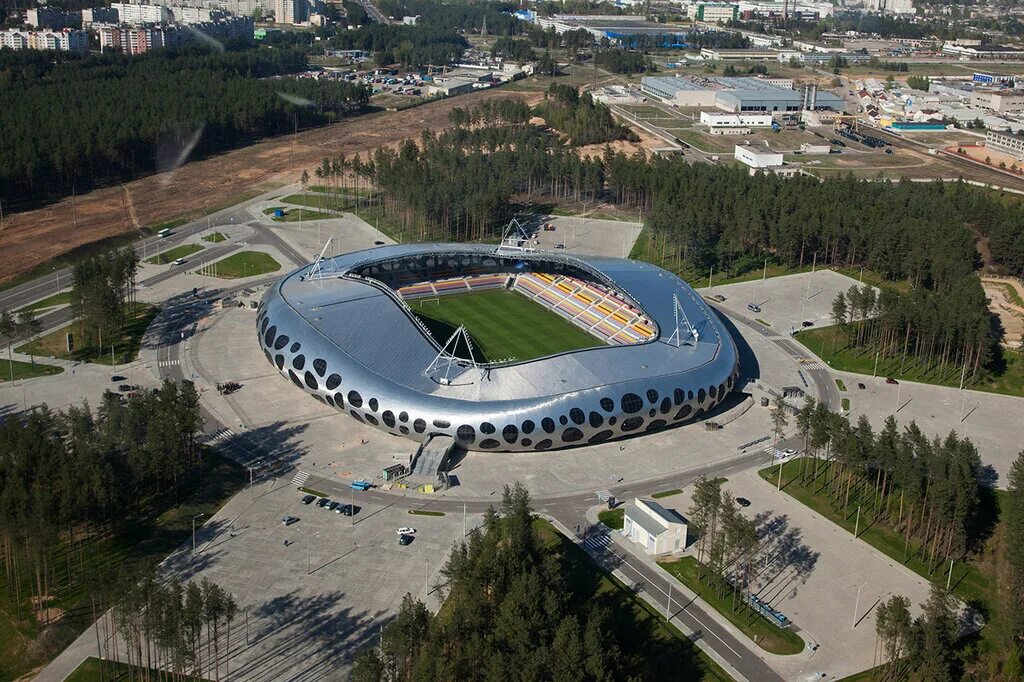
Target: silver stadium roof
column 368, row 337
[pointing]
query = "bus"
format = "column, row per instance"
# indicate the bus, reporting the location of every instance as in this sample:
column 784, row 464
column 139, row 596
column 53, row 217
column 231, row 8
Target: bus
column 166, row 232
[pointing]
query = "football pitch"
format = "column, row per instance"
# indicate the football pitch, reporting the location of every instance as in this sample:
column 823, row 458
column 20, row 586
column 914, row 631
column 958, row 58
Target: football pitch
column 502, row 324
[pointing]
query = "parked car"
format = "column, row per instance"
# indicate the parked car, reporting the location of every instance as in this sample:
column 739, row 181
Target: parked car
column 806, row 323
column 124, row 388
column 361, row 485
column 117, row 377
column 308, row 499
column 289, row 520
column 754, row 307
column 742, row 501
column 333, row 506
column 788, row 452
column 406, row 530
column 178, row 261
column 404, row 540
column 861, row 385
column 379, row 243
column 323, row 502
column 890, row 380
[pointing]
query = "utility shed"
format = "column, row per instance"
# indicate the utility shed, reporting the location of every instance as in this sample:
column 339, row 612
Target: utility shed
column 656, row 529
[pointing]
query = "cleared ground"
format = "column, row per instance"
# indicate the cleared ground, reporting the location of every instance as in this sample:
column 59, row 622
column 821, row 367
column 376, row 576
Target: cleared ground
column 502, row 324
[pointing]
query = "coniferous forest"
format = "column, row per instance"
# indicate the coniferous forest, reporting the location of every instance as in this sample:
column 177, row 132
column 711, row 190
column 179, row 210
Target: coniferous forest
column 73, row 123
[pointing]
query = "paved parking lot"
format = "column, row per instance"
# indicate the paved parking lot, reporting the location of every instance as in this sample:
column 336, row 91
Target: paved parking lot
column 813, row 575
column 787, row 301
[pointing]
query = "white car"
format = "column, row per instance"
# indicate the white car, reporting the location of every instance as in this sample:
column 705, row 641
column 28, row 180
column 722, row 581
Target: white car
column 179, row 261
column 406, row 531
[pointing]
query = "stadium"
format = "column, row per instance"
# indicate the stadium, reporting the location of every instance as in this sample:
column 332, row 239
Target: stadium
column 498, row 348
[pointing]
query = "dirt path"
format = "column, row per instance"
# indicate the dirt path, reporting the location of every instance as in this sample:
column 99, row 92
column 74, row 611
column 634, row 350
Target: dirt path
column 36, row 236
column 1011, row 315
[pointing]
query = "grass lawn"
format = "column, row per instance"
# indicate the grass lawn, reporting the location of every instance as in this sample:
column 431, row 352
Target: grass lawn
column 174, row 254
column 969, row 583
column 62, row 298
column 313, row 491
column 126, row 348
column 145, row 536
column 766, row 634
column 242, row 264
column 25, row 370
column 613, row 518
column 829, row 344
column 344, row 191
column 215, row 238
column 840, row 384
column 502, row 324
column 298, row 215
column 91, row 671
column 332, row 202
column 642, row 632
column 667, row 493
column 425, row 512
column 846, row 404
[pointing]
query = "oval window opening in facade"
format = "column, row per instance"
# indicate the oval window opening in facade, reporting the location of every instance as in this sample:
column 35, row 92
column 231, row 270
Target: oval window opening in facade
column 419, row 426
column 548, row 424
column 487, row 427
column 404, row 430
column 295, row 378
column 330, row 399
column 403, row 416
column 281, row 342
column 279, row 361
column 632, row 403
column 577, row 415
column 607, row 404
column 371, row 419
column 311, row 380
column 666, row 405
column 543, row 444
column 269, row 358
column 655, row 425
column 652, row 412
column 354, row 399
column 601, row 436
column 333, row 382
column 612, row 421
column 678, row 396
column 683, row 412
column 701, row 395
column 489, row 443
column 571, row 435
column 596, row 420
column 689, row 395
column 528, row 426
column 373, row 404
column 263, row 327
column 299, row 361
column 526, row 442
column 320, row 366
column 268, row 339
column 295, row 347
column 466, row 434
column 388, row 417
column 339, row 400
column 355, row 415
column 510, row 433
column 632, row 424
column 652, row 396
column 712, row 392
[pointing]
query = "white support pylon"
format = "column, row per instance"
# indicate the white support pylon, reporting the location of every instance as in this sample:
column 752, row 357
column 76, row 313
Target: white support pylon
column 317, row 271
column 677, row 336
column 447, row 357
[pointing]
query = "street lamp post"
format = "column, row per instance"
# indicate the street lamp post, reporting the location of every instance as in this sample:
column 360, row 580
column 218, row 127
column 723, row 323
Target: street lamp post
column 251, row 468
column 308, row 538
column 856, row 604
column 197, row 516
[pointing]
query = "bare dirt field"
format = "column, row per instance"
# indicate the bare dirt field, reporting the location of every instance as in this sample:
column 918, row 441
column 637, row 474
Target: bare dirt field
column 1010, row 314
column 36, row 236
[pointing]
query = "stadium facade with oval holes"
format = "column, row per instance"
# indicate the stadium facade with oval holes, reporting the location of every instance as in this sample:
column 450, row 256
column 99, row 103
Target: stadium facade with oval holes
column 343, row 330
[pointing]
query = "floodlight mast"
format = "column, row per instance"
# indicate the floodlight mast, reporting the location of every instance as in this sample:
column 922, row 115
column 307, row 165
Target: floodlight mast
column 514, row 236
column 317, row 271
column 447, row 357
column 677, row 338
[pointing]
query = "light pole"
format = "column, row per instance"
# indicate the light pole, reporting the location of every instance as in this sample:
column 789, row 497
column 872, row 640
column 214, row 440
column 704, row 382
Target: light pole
column 856, row 605
column 197, row 516
column 308, row 538
column 251, row 468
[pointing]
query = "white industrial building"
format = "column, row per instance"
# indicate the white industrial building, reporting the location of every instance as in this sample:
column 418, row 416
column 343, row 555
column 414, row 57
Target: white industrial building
column 656, row 529
column 758, row 158
column 722, row 123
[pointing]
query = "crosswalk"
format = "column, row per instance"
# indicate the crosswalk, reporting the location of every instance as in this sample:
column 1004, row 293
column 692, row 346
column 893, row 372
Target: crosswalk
column 776, row 453
column 597, row 541
column 168, row 363
column 300, row 478
column 815, row 364
column 219, row 435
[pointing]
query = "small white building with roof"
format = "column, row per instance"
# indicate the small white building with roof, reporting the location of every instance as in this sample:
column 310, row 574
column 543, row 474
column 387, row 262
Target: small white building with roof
column 656, row 529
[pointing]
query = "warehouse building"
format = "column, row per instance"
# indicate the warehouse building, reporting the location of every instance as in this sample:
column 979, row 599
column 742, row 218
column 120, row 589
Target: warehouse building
column 739, row 94
column 721, row 123
column 656, row 529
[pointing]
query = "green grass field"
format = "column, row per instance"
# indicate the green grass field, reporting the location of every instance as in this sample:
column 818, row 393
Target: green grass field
column 50, row 301
column 25, row 370
column 242, row 264
column 214, row 238
column 126, row 348
column 174, row 254
column 502, row 324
